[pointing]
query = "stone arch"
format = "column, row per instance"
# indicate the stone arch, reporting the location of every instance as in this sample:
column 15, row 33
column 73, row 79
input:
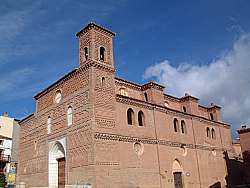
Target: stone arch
column 178, row 174
column 177, row 167
column 57, row 151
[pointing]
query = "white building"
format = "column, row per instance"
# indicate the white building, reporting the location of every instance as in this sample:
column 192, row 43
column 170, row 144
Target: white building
column 9, row 140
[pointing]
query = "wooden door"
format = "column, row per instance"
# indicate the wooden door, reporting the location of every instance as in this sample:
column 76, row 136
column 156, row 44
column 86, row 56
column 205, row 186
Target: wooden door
column 61, row 173
column 178, row 180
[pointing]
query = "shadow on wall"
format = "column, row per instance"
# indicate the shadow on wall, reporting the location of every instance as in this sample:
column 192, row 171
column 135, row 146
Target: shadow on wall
column 216, row 185
column 246, row 159
column 238, row 171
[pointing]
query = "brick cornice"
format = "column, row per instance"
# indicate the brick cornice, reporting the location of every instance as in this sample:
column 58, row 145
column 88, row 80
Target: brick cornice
column 171, row 98
column 96, row 27
column 128, row 84
column 153, row 85
column 99, row 65
column 189, row 97
column 26, row 118
column 244, row 130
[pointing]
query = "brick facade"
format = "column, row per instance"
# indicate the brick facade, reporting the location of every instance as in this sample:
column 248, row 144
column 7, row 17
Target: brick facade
column 100, row 147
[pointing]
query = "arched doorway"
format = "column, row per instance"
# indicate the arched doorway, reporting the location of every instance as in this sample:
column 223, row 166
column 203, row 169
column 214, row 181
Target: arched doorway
column 177, row 172
column 57, row 165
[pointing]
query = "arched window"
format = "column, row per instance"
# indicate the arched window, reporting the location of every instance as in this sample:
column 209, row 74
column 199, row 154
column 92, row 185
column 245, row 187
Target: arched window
column 130, row 116
column 213, row 134
column 183, row 127
column 70, row 116
column 141, row 120
column 208, row 133
column 176, row 125
column 211, row 116
column 184, row 109
column 102, row 53
column 86, row 53
column 146, row 96
column 58, row 96
column 103, row 81
column 35, row 145
column 49, row 125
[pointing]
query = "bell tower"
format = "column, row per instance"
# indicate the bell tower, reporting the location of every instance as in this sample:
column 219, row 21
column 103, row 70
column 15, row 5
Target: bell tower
column 96, row 55
column 96, row 44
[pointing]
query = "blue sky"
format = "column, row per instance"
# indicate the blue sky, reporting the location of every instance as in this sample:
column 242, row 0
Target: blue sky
column 176, row 43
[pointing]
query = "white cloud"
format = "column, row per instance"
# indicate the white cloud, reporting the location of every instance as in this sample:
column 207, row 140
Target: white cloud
column 225, row 81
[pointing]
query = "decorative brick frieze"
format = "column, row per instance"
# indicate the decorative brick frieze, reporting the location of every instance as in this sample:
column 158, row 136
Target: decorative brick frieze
column 107, row 163
column 122, row 138
column 105, row 123
column 80, row 143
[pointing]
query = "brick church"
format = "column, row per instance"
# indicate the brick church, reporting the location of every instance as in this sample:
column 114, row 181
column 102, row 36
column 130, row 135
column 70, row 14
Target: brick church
column 92, row 129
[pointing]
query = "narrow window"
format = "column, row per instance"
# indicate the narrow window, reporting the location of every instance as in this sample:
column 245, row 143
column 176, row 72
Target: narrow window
column 49, row 125
column 213, row 134
column 86, row 53
column 70, row 116
column 58, row 96
column 208, row 133
column 141, row 118
column 183, row 127
column 211, row 116
column 146, row 96
column 130, row 116
column 35, row 145
column 184, row 109
column 176, row 125
column 102, row 53
column 103, row 81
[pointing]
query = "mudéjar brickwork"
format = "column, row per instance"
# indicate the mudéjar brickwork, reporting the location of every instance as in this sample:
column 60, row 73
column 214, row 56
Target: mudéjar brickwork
column 107, row 132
